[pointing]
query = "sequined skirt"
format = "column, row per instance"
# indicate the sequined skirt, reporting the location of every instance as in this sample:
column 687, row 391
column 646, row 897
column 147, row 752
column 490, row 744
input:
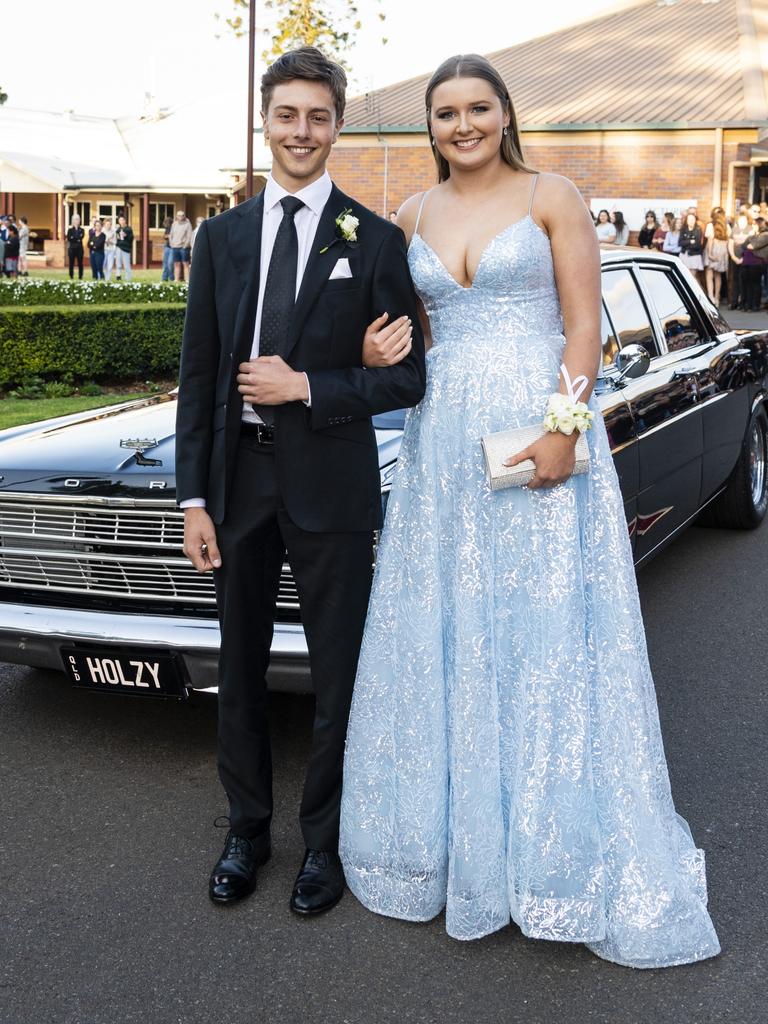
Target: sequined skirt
column 504, row 758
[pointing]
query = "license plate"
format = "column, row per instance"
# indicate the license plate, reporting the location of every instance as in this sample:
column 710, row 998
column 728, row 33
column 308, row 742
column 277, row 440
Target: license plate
column 140, row 673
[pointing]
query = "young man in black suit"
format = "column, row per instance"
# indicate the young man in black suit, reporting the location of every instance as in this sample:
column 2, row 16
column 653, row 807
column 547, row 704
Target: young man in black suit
column 300, row 309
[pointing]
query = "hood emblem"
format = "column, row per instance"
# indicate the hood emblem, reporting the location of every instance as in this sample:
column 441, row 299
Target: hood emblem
column 141, row 445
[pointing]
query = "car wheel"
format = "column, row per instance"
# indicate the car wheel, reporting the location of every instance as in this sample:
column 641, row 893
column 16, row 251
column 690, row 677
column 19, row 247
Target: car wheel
column 744, row 502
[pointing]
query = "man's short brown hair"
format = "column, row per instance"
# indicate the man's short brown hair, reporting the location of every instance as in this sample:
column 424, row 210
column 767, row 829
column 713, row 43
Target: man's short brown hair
column 309, row 64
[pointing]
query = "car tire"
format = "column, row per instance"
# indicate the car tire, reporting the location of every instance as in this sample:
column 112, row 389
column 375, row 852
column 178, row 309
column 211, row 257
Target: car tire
column 744, row 502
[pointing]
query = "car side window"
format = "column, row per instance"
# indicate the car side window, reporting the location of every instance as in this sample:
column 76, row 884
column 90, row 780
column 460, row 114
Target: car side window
column 679, row 325
column 627, row 310
column 609, row 342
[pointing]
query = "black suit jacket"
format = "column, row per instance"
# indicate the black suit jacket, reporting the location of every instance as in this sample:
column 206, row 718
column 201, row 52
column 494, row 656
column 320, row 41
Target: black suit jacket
column 326, row 457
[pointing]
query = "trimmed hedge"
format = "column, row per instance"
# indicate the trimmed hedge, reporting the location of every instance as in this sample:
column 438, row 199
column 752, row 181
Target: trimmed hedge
column 91, row 343
column 39, row 291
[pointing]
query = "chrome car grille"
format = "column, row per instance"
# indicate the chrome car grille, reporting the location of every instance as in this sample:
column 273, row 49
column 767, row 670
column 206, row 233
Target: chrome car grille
column 88, row 549
column 127, row 527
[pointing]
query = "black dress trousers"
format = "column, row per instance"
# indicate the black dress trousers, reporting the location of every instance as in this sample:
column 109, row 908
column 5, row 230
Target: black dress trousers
column 333, row 573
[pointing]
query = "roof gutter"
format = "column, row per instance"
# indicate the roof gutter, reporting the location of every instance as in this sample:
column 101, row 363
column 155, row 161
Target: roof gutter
column 596, row 126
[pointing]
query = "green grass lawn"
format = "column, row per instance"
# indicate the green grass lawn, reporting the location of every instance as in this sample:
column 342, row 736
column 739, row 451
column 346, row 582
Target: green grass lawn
column 14, row 411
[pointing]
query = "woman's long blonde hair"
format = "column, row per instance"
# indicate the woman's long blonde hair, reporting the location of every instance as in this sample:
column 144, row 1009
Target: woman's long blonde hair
column 472, row 65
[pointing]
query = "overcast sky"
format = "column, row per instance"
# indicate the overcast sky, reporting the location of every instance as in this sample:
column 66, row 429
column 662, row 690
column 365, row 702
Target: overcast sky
column 100, row 57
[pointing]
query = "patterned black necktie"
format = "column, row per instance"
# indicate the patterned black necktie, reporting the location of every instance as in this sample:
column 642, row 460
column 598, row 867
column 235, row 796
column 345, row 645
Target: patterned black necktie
column 279, row 291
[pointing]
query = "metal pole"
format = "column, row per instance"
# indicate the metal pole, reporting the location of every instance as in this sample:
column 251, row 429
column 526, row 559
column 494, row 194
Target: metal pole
column 251, row 88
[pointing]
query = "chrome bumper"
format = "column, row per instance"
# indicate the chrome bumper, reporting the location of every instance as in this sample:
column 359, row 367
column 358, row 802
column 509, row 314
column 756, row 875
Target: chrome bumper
column 31, row 635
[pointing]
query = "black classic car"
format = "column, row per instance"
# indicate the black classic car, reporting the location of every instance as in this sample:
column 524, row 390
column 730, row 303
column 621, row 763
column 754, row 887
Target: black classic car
column 92, row 575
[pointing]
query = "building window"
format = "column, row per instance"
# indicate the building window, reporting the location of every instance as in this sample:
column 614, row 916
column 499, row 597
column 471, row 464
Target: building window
column 158, row 212
column 83, row 210
column 109, row 210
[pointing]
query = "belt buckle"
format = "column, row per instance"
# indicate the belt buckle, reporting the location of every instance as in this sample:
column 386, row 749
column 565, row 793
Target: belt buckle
column 265, row 434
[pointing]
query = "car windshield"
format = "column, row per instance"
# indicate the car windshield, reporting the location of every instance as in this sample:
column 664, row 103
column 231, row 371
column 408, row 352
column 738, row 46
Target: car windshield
column 390, row 420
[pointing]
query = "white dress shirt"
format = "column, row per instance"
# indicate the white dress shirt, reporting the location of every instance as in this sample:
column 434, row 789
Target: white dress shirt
column 314, row 197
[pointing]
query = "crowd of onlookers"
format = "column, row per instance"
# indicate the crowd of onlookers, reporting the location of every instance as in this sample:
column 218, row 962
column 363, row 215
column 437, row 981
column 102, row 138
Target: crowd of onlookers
column 110, row 247
column 728, row 255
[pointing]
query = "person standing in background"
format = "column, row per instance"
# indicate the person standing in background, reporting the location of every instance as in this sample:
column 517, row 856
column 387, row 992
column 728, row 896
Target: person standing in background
column 667, row 223
column 23, row 246
column 751, row 276
column 759, row 246
column 606, row 232
column 647, row 231
column 742, row 229
column 180, row 239
column 622, row 228
column 12, row 252
column 167, row 274
column 110, row 247
column 75, row 235
column 716, row 235
column 124, row 242
column 692, row 246
column 671, row 243
column 96, row 248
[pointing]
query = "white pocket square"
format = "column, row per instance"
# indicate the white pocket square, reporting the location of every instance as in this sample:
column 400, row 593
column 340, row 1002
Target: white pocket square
column 342, row 269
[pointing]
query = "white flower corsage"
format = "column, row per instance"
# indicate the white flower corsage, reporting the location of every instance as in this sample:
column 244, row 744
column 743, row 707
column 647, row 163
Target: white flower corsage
column 565, row 413
column 346, row 229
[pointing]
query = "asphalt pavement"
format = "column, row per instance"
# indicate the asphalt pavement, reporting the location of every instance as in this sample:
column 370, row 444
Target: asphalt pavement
column 107, row 841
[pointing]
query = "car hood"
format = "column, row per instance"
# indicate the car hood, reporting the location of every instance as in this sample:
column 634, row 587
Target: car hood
column 92, row 448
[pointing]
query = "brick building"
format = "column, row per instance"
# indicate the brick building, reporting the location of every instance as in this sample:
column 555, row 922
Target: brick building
column 662, row 100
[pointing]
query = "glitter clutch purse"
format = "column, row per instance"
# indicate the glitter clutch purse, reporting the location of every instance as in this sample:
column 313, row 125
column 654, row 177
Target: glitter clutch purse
column 504, row 443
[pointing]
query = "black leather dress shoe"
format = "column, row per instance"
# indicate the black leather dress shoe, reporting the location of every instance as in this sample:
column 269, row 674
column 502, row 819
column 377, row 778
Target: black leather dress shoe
column 319, row 885
column 234, row 875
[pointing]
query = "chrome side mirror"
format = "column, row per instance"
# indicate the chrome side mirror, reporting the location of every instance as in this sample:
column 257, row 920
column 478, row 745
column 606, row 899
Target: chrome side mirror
column 632, row 361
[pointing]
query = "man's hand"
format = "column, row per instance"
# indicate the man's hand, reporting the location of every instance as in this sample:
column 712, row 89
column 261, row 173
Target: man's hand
column 554, row 456
column 387, row 345
column 200, row 545
column 269, row 380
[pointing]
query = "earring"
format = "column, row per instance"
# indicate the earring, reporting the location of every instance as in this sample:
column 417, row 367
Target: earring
column 432, row 141
column 506, row 131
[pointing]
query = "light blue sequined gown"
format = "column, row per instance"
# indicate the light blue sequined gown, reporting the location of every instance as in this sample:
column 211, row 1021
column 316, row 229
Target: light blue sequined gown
column 504, row 758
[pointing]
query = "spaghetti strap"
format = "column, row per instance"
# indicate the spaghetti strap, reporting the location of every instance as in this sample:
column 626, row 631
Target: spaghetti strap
column 533, row 189
column 421, row 207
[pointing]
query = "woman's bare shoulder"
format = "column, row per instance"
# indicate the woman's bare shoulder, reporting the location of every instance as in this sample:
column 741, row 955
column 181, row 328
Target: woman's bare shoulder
column 557, row 198
column 556, row 188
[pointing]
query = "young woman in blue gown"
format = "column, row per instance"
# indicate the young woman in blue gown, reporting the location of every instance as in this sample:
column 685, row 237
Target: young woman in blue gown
column 504, row 759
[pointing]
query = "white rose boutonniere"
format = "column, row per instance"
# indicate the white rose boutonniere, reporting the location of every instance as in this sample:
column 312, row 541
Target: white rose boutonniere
column 348, row 226
column 346, row 230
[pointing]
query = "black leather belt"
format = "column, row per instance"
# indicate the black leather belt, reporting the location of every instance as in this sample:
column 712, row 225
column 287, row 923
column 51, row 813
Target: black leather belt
column 258, row 432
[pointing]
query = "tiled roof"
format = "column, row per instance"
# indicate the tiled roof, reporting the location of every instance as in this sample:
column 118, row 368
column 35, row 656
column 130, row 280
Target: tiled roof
column 681, row 63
